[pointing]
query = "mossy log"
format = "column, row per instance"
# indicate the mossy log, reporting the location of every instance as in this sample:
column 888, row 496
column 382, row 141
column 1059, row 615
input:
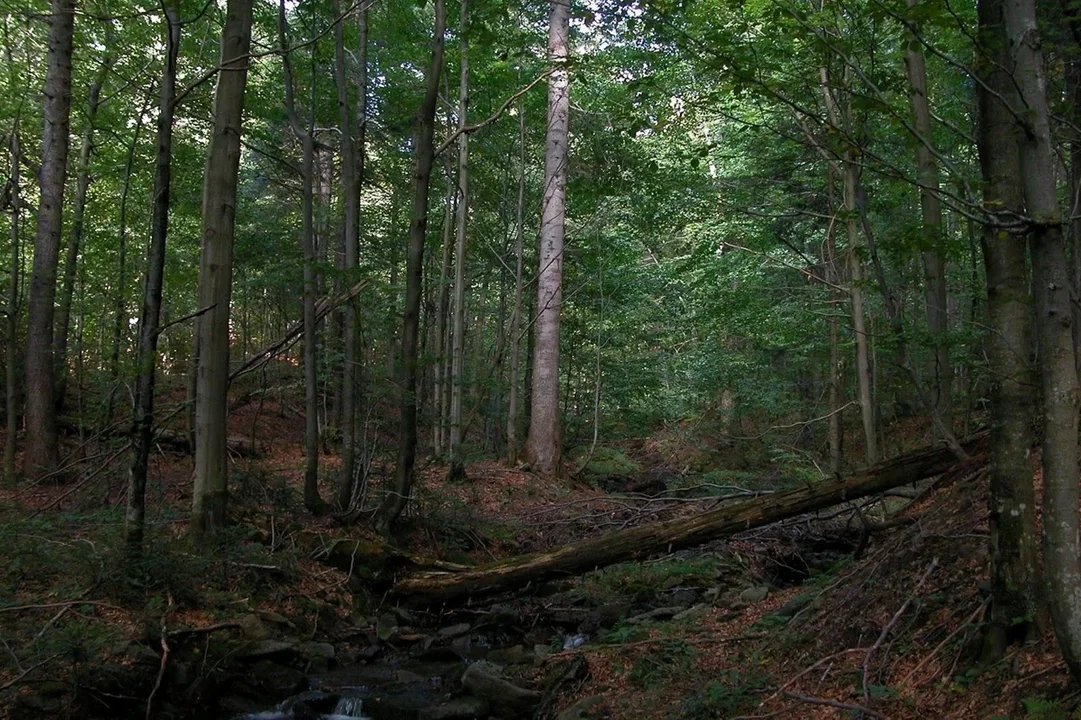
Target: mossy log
column 434, row 588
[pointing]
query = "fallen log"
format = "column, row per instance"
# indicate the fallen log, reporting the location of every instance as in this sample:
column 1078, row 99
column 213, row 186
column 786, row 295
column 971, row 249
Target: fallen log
column 419, row 589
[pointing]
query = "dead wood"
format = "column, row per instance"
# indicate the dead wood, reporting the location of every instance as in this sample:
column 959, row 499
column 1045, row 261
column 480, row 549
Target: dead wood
column 432, row 588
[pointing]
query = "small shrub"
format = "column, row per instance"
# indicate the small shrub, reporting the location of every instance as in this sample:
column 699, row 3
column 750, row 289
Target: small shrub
column 732, row 693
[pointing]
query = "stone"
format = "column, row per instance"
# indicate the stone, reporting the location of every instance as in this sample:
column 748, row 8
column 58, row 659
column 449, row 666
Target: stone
column 270, row 649
column 661, row 613
column 276, row 682
column 754, row 594
column 692, row 613
column 370, row 653
column 671, row 582
column 793, row 606
column 713, row 594
column 579, row 710
column 403, row 615
column 514, row 655
column 312, row 703
column 466, row 708
column 387, row 627
column 408, row 676
column 439, row 653
column 142, row 655
column 314, row 649
column 252, row 627
column 453, row 631
column 506, row 699
column 274, row 618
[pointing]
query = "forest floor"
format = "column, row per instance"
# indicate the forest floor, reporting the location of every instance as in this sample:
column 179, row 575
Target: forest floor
column 802, row 619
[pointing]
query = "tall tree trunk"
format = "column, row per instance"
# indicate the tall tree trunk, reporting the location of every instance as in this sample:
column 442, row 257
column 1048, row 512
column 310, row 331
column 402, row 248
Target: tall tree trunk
column 305, row 133
column 12, row 317
column 934, row 270
column 423, row 154
column 836, row 300
column 859, row 325
column 542, row 449
column 457, row 366
column 1073, row 98
column 1051, row 295
column 352, row 170
column 220, row 177
column 1013, row 542
column 442, row 303
column 120, row 307
column 75, row 239
column 150, row 317
column 42, row 454
column 516, row 313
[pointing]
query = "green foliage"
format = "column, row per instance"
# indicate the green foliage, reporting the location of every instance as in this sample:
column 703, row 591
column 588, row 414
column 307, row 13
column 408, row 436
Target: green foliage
column 734, row 692
column 1040, row 708
column 660, row 661
column 632, row 578
column 606, row 462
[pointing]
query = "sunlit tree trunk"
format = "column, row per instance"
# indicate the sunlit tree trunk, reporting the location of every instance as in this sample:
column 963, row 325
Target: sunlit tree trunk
column 75, row 238
column 934, row 269
column 542, row 449
column 1051, row 296
column 457, row 367
column 42, row 454
column 515, row 330
column 150, row 316
column 423, row 154
column 210, row 493
column 11, row 324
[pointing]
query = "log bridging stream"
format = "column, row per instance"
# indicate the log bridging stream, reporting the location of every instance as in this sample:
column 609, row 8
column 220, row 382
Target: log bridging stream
column 433, row 588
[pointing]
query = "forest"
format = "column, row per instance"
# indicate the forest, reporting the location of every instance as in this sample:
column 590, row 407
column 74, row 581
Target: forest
column 453, row 359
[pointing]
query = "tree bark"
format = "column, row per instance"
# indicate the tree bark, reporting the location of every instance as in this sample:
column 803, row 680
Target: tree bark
column 424, row 153
column 934, row 270
column 11, row 319
column 542, row 449
column 150, row 317
column 836, row 300
column 457, row 365
column 1014, row 570
column 305, row 134
column 442, row 303
column 42, row 454
column 1054, row 337
column 352, row 164
column 516, row 313
column 220, row 178
column 75, row 239
column 435, row 588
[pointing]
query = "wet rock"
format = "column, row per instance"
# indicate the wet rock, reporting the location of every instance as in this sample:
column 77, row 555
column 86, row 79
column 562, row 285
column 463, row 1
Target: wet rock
column 754, row 594
column 387, row 627
column 454, row 631
column 506, row 699
column 465, row 708
column 317, row 649
column 312, row 703
column 276, row 681
column 580, row 709
column 439, row 653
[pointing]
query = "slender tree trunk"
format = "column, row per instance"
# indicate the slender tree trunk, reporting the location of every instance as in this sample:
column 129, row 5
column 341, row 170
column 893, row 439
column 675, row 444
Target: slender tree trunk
column 542, row 449
column 1051, row 295
column 75, row 239
column 220, row 177
column 150, row 317
column 351, row 184
column 836, row 300
column 516, row 314
column 42, row 454
column 859, row 327
column 442, row 303
column 1014, row 570
column 12, row 317
column 424, row 153
column 934, row 270
column 1073, row 98
column 120, row 308
column 305, row 134
column 457, row 367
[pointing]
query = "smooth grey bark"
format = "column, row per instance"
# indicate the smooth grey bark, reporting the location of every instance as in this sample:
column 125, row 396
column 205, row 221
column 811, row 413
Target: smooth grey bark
column 75, row 238
column 423, row 155
column 150, row 315
column 931, row 255
column 1054, row 337
column 516, row 313
column 457, row 364
column 352, row 170
column 42, row 454
column 11, row 319
column 210, row 493
column 305, row 134
column 542, row 449
column 1012, row 518
column 442, row 304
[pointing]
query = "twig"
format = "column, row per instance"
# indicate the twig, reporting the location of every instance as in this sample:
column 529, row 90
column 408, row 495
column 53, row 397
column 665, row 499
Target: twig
column 942, row 644
column 189, row 316
column 66, row 604
column 205, row 630
column 834, row 703
column 27, row 671
column 889, row 626
column 164, row 657
column 493, row 117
